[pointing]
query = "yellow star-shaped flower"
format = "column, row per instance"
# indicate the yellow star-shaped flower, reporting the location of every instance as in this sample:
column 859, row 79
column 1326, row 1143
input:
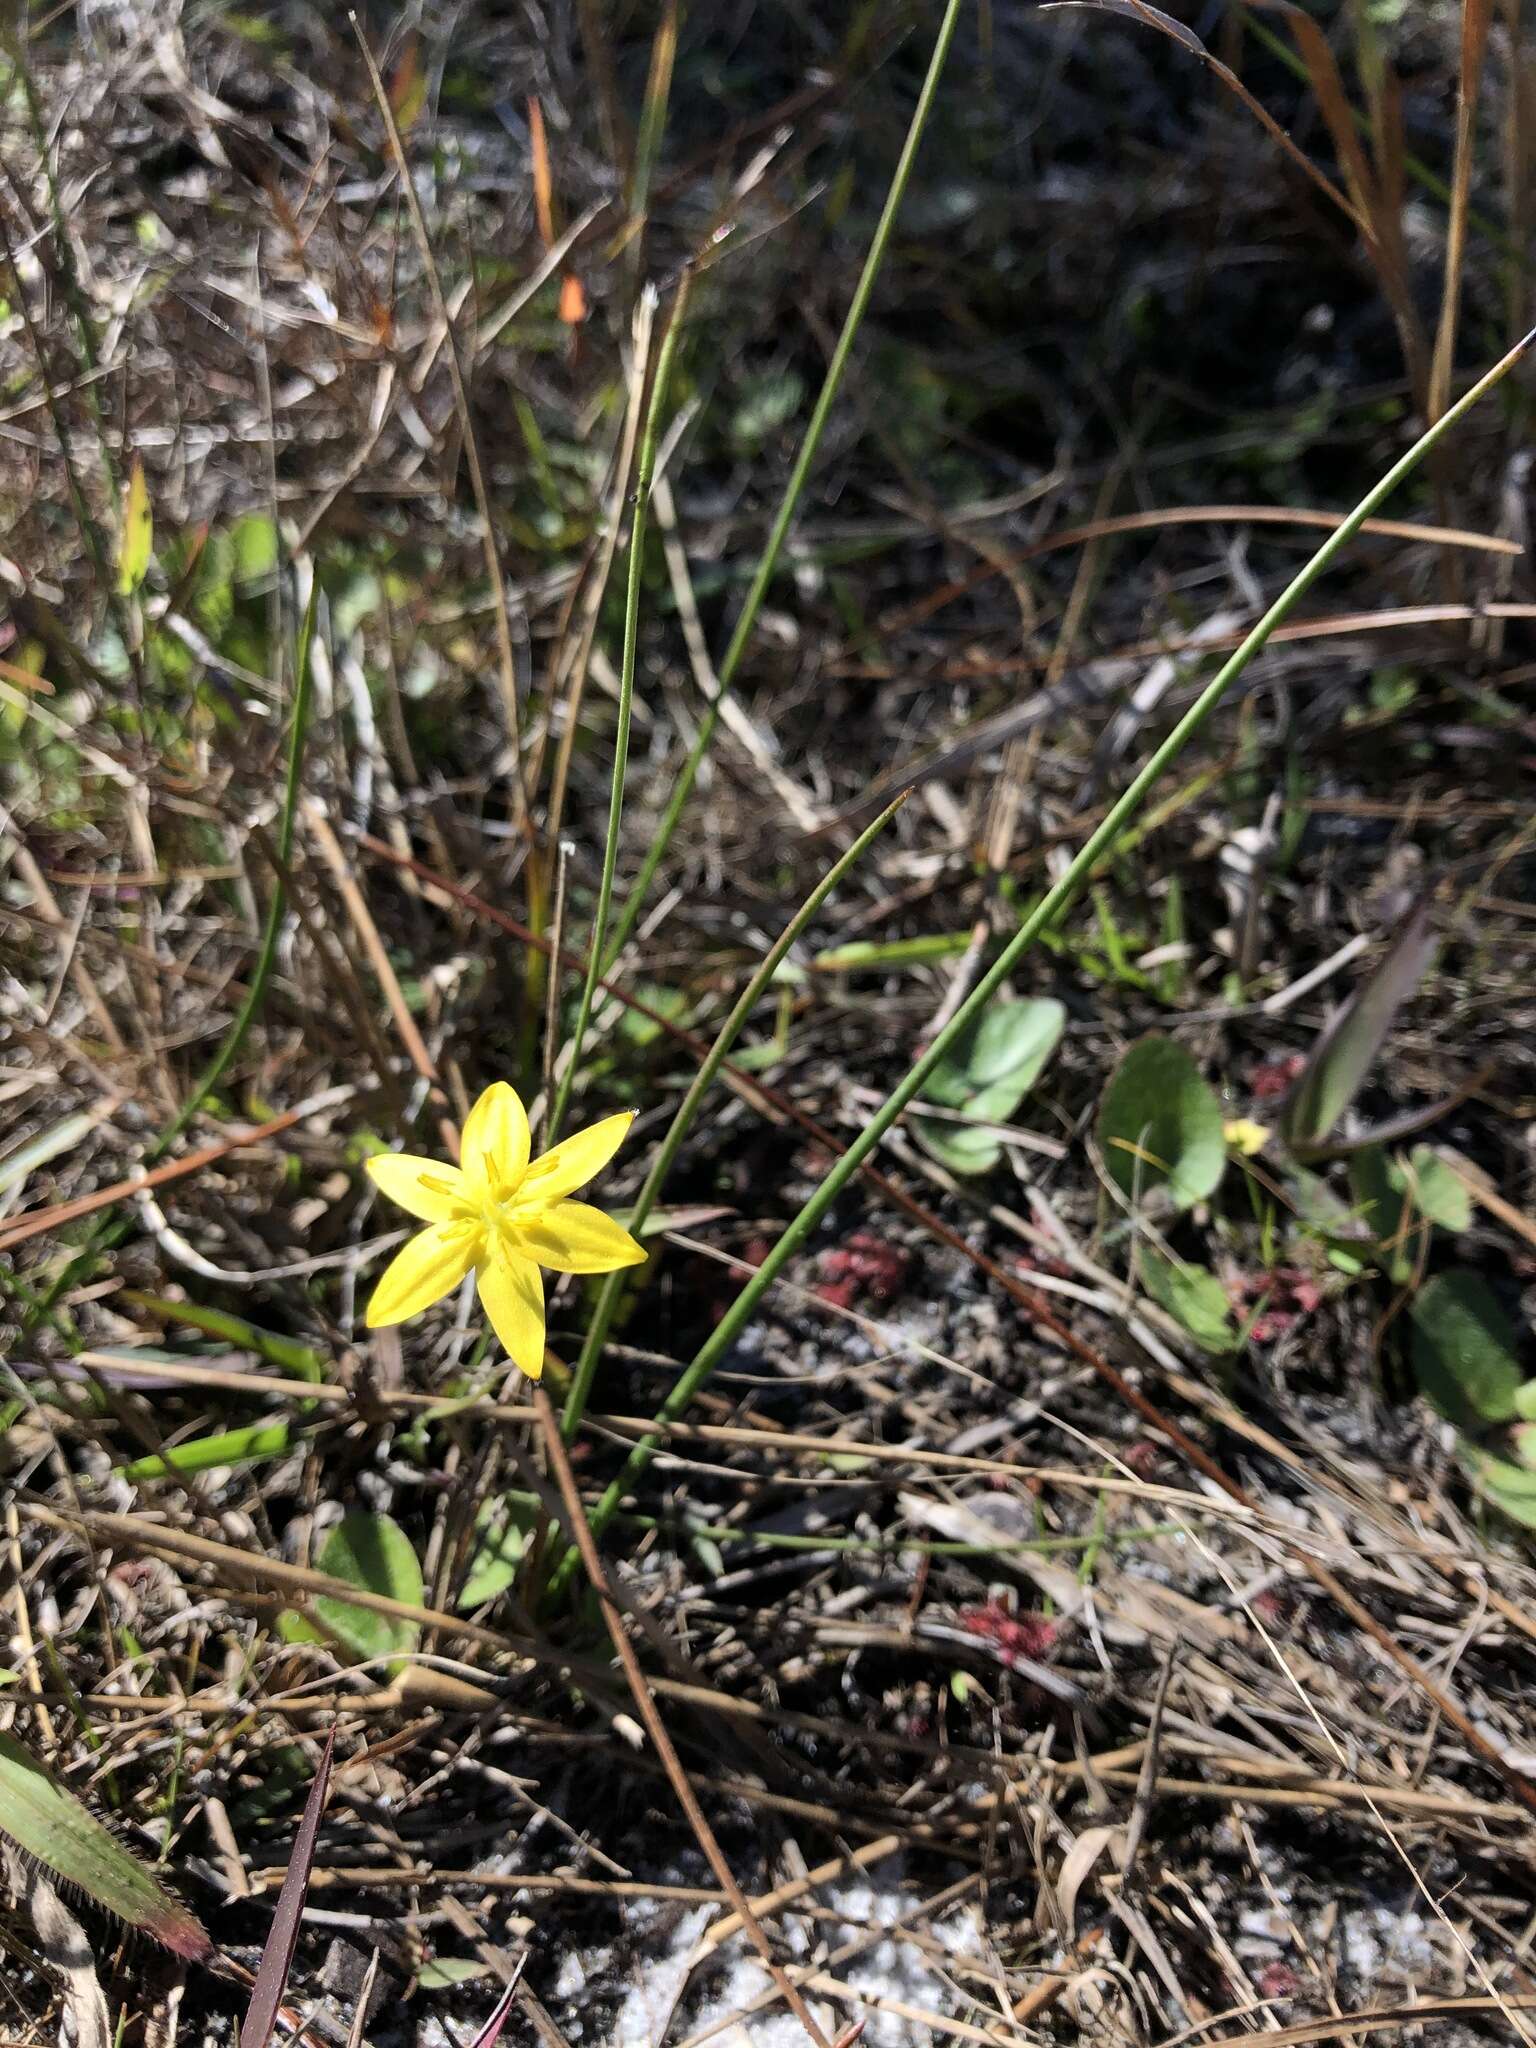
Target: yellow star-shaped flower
column 503, row 1216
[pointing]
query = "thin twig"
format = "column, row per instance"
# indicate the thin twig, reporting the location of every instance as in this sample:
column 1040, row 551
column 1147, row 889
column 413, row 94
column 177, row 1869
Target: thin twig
column 576, row 1520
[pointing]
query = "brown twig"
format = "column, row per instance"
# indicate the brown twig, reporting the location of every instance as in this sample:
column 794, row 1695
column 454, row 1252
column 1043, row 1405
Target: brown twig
column 581, row 1535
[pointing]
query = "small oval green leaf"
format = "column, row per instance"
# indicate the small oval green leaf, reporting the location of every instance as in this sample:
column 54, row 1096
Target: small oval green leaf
column 501, row 1536
column 1510, row 1488
column 1195, row 1298
column 1160, row 1126
column 1465, row 1351
column 986, row 1077
column 373, row 1553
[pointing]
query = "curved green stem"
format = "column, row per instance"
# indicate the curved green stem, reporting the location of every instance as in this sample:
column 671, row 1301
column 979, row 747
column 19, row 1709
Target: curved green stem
column 725, row 675
column 645, row 470
column 1046, row 912
column 607, row 1300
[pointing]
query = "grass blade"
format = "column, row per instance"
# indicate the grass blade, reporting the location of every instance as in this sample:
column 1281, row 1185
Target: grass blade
column 50, row 1825
column 1342, row 1057
column 1476, row 21
column 490, row 2033
column 277, row 1956
column 671, row 1144
column 1154, row 17
column 645, row 470
column 763, row 575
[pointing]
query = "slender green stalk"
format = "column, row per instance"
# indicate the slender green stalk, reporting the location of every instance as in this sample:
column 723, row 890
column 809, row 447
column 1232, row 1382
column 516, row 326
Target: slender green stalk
column 613, row 1285
column 1044, row 914
column 645, row 470
column 634, row 903
column 234, row 1038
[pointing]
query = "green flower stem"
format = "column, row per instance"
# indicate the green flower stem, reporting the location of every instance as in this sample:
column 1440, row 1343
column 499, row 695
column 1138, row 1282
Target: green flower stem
column 1045, row 913
column 645, row 470
column 725, row 675
column 607, row 1301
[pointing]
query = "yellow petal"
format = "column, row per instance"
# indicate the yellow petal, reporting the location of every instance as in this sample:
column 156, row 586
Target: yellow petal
column 496, row 1143
column 425, row 1268
column 512, row 1295
column 424, row 1187
column 575, row 1238
column 1246, row 1137
column 572, row 1163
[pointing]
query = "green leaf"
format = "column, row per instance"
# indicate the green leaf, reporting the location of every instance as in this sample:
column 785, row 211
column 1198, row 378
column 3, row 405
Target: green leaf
column 986, row 1076
column 1160, row 1126
column 1385, row 1206
column 1465, row 1350
column 1194, row 1297
column 48, row 1823
column 670, row 1003
column 871, row 956
column 1510, row 1488
column 63, row 1136
column 138, row 532
column 501, row 1536
column 255, row 539
column 213, row 595
column 373, row 1553
column 208, row 1453
column 1344, row 1053
column 286, row 1353
column 1441, row 1194
column 444, row 1972
column 769, row 399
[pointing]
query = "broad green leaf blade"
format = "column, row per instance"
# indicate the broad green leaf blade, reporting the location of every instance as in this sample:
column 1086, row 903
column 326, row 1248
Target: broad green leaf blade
column 138, row 532
column 1160, row 1126
column 48, row 1823
column 986, row 1076
column 1195, row 1298
column 962, row 1150
column 373, row 1553
column 1343, row 1055
column 1465, row 1351
column 1439, row 1191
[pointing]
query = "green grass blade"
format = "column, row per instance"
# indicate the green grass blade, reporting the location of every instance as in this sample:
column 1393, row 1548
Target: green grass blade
column 48, row 1823
column 763, row 575
column 209, row 1453
column 645, row 470
column 671, row 1144
column 1046, row 912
